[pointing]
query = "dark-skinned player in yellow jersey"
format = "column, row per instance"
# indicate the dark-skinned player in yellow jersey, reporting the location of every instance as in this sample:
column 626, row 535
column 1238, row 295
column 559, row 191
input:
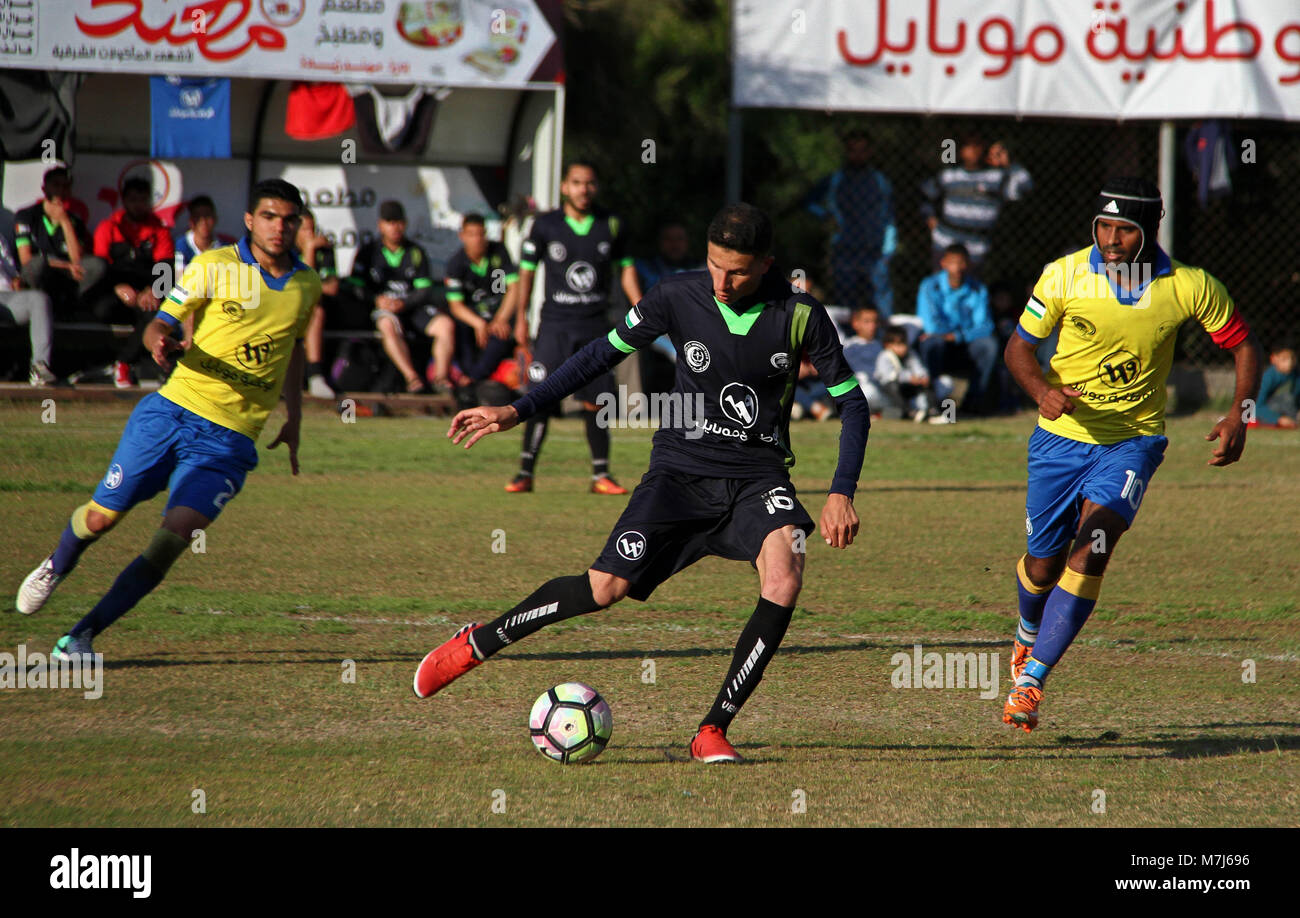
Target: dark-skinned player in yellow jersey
column 718, row 482
column 1100, row 437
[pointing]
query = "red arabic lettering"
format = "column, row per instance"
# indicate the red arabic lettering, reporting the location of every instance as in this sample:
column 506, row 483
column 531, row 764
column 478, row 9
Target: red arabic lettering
column 1008, row 50
column 932, row 29
column 882, row 39
column 1213, row 34
column 180, row 29
column 1279, row 45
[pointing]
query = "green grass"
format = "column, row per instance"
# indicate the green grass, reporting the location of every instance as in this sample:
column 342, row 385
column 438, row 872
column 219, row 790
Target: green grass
column 228, row 678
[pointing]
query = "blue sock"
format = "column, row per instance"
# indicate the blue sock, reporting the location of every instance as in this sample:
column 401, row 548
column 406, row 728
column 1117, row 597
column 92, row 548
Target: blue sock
column 132, row 585
column 1032, row 600
column 1068, row 607
column 69, row 550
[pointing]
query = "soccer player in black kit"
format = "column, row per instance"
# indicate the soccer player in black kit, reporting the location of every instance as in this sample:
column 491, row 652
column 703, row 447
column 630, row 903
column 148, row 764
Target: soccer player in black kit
column 718, row 481
column 578, row 245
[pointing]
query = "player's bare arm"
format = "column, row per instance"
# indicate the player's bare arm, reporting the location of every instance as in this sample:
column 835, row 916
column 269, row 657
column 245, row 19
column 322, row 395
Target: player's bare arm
column 160, row 343
column 1020, row 360
column 289, row 433
column 1230, row 432
column 631, row 284
column 502, row 324
column 525, row 298
column 480, row 422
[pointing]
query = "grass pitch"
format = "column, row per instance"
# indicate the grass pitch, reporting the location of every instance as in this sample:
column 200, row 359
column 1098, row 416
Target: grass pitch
column 229, row 679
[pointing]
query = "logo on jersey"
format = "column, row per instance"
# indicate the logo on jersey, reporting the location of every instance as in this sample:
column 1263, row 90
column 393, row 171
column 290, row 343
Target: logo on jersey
column 113, row 480
column 255, row 352
column 536, row 372
column 232, row 310
column 580, row 277
column 631, row 545
column 556, row 251
column 740, row 404
column 1083, row 326
column 603, row 248
column 781, row 361
column 1119, row 369
column 697, row 356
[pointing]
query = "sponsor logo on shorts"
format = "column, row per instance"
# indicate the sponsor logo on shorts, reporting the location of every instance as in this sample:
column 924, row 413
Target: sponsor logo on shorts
column 781, row 361
column 536, row 372
column 556, row 252
column 1029, row 525
column 697, row 356
column 113, row 480
column 631, row 545
column 580, row 277
column 740, row 404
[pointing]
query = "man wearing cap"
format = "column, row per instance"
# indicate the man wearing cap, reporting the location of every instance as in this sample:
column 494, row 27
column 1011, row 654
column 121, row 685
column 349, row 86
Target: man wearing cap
column 392, row 277
column 1119, row 304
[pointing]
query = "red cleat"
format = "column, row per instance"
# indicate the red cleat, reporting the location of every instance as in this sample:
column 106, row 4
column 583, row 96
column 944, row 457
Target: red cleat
column 443, row 665
column 606, row 485
column 1019, row 657
column 520, row 484
column 1021, row 710
column 711, row 747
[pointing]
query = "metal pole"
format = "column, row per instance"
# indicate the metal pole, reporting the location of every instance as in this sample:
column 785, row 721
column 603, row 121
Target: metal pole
column 1166, row 181
column 735, row 150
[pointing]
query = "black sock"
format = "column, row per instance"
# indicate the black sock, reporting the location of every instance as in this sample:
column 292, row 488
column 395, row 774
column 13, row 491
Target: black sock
column 757, row 644
column 553, row 601
column 314, row 368
column 534, row 434
column 598, row 441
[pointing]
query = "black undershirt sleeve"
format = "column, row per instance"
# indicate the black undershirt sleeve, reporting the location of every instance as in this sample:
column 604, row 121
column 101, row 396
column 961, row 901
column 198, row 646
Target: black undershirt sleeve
column 855, row 422
column 596, row 357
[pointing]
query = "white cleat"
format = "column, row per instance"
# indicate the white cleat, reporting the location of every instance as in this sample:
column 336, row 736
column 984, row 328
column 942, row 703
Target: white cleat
column 38, row 586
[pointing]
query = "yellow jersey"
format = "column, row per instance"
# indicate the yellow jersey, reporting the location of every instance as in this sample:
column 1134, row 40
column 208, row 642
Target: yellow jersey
column 245, row 325
column 1117, row 345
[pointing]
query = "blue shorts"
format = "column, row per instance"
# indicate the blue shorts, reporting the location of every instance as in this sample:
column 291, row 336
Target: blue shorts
column 201, row 464
column 1064, row 472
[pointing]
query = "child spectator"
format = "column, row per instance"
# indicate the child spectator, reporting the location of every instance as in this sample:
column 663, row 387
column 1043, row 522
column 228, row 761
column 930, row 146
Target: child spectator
column 1278, row 402
column 862, row 350
column 900, row 378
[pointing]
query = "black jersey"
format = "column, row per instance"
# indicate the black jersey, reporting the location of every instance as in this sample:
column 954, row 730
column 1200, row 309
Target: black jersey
column 728, row 414
column 578, row 256
column 480, row 286
column 33, row 228
column 404, row 274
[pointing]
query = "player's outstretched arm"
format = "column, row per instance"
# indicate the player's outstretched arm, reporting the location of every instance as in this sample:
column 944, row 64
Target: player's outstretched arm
column 477, row 423
column 1230, row 432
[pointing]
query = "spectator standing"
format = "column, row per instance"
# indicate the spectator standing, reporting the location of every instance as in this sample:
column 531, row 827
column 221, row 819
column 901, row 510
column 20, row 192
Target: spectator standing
column 859, row 201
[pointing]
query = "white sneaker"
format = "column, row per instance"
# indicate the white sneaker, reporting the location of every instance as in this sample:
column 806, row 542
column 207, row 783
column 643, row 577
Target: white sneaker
column 41, row 375
column 317, row 387
column 36, row 589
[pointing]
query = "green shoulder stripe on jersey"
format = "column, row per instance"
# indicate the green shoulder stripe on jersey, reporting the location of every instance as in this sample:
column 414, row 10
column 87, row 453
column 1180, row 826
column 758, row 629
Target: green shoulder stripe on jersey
column 454, row 296
column 739, row 323
column 626, row 262
column 421, row 282
column 840, row 388
column 613, row 226
column 511, row 278
column 528, row 265
column 581, row 227
column 619, row 343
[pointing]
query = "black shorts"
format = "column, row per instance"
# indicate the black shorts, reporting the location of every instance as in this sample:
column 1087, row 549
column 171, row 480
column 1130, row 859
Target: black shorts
column 673, row 520
column 558, row 341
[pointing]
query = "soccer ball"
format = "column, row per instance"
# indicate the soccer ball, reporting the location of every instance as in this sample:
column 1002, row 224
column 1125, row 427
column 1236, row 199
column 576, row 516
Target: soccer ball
column 570, row 723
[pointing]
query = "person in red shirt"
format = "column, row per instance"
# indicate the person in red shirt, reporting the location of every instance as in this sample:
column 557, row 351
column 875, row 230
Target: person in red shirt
column 134, row 242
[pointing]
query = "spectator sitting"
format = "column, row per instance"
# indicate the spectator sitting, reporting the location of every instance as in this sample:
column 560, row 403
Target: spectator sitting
column 343, row 312
column 861, row 352
column 202, row 234
column 391, row 274
column 134, row 242
column 1278, row 402
column 900, row 378
column 27, row 307
column 957, row 326
column 54, row 248
column 482, row 294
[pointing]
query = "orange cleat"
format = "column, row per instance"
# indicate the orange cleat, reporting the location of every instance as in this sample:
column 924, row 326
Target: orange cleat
column 1019, row 657
column 519, row 484
column 443, row 665
column 1022, row 707
column 606, row 485
column 711, row 747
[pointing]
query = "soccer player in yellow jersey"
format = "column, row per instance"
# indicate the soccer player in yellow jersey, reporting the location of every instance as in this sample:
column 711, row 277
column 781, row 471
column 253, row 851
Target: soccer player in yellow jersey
column 196, row 436
column 1100, row 437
